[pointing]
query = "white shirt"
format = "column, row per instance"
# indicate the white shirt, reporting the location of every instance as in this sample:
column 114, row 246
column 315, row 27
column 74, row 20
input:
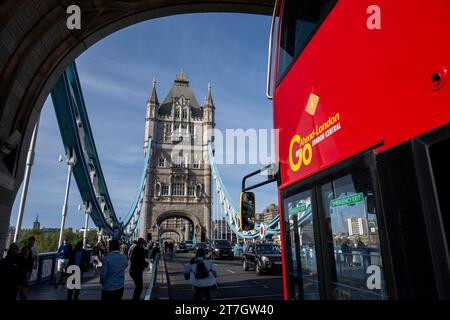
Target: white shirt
column 35, row 254
column 206, row 282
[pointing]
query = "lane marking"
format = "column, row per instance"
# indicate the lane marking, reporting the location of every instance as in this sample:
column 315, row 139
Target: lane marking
column 230, row 271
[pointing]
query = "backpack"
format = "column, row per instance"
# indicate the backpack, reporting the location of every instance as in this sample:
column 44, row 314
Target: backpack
column 201, row 272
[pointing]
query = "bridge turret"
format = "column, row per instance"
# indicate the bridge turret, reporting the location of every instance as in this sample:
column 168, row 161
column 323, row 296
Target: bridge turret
column 209, row 108
column 151, row 116
column 208, row 135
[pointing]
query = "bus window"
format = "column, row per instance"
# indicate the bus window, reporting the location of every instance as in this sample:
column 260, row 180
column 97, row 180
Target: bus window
column 302, row 269
column 300, row 20
column 350, row 210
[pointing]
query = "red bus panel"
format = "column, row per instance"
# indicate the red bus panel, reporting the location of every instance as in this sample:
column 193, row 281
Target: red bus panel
column 353, row 88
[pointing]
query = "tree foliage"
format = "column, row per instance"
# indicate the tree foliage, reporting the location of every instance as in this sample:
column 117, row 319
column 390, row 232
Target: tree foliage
column 48, row 241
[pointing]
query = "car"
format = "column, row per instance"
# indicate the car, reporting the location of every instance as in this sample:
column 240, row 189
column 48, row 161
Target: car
column 189, row 244
column 181, row 247
column 202, row 245
column 221, row 249
column 264, row 257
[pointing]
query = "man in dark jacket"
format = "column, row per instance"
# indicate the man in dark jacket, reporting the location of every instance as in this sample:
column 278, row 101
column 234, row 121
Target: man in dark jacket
column 80, row 258
column 137, row 260
column 10, row 274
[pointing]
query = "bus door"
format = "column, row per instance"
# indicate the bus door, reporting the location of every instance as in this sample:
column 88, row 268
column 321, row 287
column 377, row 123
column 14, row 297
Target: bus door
column 331, row 232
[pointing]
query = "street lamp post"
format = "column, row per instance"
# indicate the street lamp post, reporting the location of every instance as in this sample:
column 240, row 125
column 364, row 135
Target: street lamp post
column 70, row 164
column 26, row 180
column 87, row 211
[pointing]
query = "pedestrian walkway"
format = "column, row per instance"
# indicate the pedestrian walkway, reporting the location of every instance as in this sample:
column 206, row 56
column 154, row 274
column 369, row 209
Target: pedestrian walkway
column 90, row 288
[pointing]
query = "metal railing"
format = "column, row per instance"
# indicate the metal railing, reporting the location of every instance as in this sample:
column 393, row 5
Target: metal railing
column 151, row 292
column 46, row 268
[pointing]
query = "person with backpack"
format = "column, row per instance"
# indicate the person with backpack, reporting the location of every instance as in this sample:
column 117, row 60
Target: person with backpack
column 202, row 275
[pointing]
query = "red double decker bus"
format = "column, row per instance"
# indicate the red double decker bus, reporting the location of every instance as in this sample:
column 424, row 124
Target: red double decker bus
column 362, row 103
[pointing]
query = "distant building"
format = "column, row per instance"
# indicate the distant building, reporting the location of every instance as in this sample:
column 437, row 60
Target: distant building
column 220, row 229
column 259, row 217
column 307, row 235
column 49, row 230
column 82, row 229
column 356, row 227
column 36, row 223
column 270, row 212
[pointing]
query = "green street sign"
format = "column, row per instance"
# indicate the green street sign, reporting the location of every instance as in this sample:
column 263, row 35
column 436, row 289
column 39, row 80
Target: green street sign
column 297, row 210
column 345, row 201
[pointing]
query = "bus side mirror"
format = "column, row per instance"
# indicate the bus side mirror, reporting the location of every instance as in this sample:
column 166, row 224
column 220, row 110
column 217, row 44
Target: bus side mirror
column 247, row 209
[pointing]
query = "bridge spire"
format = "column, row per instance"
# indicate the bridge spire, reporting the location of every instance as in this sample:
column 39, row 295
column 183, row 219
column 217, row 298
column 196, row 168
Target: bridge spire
column 208, row 99
column 153, row 96
column 181, row 77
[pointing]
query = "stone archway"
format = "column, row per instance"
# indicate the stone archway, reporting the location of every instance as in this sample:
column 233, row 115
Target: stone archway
column 176, row 231
column 36, row 47
column 190, row 231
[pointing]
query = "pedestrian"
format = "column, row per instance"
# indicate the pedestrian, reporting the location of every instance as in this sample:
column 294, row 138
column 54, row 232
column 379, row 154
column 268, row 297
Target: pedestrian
column 10, row 271
column 347, row 253
column 153, row 253
column 62, row 258
column 34, row 251
column 202, row 275
column 130, row 251
column 26, row 268
column 78, row 257
column 97, row 255
column 137, row 266
column 123, row 248
column 171, row 245
column 112, row 273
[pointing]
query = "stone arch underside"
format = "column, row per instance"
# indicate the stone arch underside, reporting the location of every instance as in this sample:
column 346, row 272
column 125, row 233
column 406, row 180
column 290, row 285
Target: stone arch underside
column 178, row 232
column 36, row 47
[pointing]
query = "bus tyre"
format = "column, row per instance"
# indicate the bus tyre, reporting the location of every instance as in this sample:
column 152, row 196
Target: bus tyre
column 258, row 269
column 245, row 265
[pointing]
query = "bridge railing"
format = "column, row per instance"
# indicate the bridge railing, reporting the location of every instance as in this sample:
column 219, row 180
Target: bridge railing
column 151, row 292
column 46, row 269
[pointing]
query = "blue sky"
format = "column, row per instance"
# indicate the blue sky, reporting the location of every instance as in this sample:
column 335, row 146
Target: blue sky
column 116, row 76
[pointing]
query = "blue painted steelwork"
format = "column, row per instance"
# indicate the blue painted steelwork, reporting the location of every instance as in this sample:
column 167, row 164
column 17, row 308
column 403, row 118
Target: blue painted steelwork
column 132, row 219
column 79, row 142
column 231, row 211
column 151, row 292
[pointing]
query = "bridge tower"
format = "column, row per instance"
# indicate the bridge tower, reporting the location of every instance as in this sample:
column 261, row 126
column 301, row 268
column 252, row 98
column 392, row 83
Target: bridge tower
column 179, row 173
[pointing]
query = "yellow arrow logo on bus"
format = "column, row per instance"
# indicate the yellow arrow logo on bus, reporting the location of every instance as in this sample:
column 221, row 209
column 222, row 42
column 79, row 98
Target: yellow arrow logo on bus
column 311, row 106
